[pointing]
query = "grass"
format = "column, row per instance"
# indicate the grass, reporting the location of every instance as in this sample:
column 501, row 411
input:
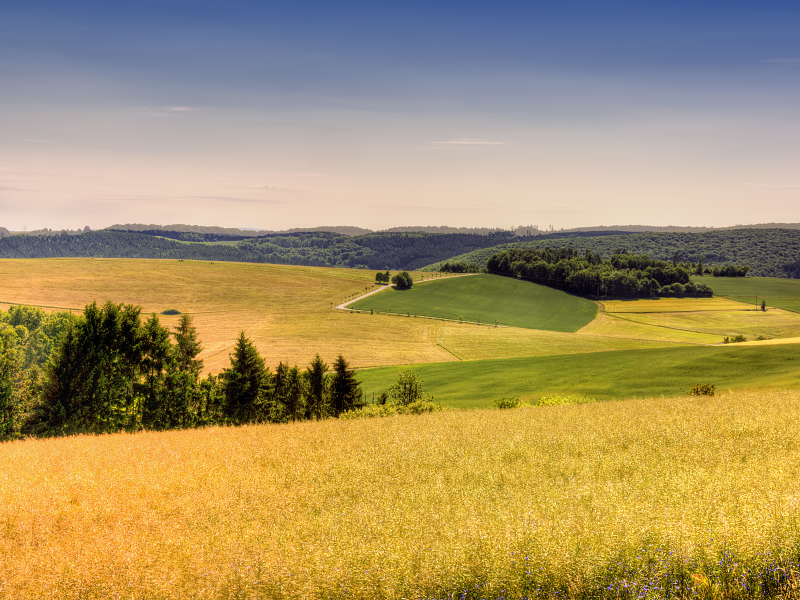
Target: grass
column 602, row 375
column 694, row 497
column 285, row 310
column 488, row 299
column 778, row 293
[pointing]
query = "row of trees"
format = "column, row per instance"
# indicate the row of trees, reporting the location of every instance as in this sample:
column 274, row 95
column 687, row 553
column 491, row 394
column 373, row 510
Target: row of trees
column 624, row 275
column 768, row 252
column 109, row 370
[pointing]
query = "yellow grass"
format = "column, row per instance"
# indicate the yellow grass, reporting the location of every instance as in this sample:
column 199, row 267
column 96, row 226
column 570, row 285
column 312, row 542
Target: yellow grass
column 285, row 310
column 774, row 323
column 478, row 343
column 404, row 507
column 673, row 305
column 623, row 326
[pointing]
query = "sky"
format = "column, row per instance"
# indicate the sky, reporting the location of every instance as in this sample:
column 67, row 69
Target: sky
column 274, row 115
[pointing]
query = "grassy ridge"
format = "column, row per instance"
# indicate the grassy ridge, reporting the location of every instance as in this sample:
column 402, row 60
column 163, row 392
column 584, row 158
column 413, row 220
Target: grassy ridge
column 602, row 375
column 488, row 299
column 694, row 497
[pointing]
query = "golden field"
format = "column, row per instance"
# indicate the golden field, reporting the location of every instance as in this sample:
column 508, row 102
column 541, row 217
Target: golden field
column 592, row 500
column 286, row 310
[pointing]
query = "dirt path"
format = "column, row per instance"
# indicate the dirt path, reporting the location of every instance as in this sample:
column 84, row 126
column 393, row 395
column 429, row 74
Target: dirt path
column 344, row 305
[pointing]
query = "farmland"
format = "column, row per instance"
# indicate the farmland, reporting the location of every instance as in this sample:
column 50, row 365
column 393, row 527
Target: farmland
column 488, row 299
column 777, row 293
column 671, row 498
column 602, row 375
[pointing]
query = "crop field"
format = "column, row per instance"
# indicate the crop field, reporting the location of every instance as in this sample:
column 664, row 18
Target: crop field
column 778, row 293
column 695, row 497
column 285, row 310
column 672, row 305
column 488, row 299
column 601, row 375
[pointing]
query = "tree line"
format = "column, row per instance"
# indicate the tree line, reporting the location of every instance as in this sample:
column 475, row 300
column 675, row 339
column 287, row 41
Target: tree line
column 111, row 370
column 398, row 251
column 767, row 252
column 624, row 275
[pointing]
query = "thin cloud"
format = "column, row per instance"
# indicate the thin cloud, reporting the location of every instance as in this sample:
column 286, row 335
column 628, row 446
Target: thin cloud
column 791, row 62
column 238, row 199
column 471, row 142
column 163, row 111
column 277, row 189
column 462, row 144
column 773, row 186
column 36, row 141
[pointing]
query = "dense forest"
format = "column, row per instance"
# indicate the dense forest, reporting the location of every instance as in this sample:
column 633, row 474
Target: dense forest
column 768, row 252
column 622, row 276
column 111, row 370
column 393, row 251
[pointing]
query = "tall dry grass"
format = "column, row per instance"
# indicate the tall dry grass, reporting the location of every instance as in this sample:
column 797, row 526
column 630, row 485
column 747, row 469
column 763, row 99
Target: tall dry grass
column 648, row 498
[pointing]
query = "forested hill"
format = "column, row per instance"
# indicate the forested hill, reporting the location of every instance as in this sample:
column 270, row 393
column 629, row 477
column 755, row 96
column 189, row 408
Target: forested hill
column 395, row 251
column 768, row 252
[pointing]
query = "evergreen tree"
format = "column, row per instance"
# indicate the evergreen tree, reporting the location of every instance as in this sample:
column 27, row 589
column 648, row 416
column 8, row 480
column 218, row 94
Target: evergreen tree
column 8, row 372
column 245, row 383
column 187, row 346
column 156, row 358
column 90, row 385
column 345, row 389
column 316, row 405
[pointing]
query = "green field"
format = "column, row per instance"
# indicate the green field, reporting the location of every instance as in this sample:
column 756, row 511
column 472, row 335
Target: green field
column 778, row 293
column 601, row 375
column 488, row 299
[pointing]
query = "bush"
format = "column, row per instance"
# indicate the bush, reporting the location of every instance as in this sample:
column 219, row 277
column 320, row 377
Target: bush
column 171, row 311
column 417, row 407
column 701, row 389
column 555, row 399
column 507, row 403
column 734, row 339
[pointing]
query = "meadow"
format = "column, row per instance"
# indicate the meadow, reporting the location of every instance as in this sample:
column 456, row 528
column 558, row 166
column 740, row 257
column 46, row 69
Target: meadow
column 608, row 375
column 778, row 293
column 490, row 299
column 286, row 310
column 692, row 497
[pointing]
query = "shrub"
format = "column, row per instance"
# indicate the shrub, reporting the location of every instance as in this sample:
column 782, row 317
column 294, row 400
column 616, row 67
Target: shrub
column 734, row 339
column 554, row 399
column 701, row 389
column 417, row 407
column 507, row 402
column 171, row 311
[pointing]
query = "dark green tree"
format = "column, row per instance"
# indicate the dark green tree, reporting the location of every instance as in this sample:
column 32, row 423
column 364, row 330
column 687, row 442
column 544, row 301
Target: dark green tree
column 90, row 385
column 156, row 358
column 187, row 346
column 403, row 280
column 8, row 373
column 246, row 383
column 316, row 389
column 345, row 389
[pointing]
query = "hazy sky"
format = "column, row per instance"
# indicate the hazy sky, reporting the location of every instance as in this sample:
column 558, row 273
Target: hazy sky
column 435, row 112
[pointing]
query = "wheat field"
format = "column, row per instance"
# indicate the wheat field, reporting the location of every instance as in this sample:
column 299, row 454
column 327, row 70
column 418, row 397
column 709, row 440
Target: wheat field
column 643, row 498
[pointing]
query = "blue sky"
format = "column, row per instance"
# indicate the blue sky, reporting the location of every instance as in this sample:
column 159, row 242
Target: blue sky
column 378, row 114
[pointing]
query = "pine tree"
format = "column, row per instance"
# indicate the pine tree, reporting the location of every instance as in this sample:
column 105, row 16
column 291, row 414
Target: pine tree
column 345, row 389
column 245, row 383
column 316, row 405
column 8, row 371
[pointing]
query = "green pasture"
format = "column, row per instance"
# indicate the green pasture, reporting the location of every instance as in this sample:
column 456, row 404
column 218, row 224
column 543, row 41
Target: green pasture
column 601, row 375
column 487, row 299
column 778, row 292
